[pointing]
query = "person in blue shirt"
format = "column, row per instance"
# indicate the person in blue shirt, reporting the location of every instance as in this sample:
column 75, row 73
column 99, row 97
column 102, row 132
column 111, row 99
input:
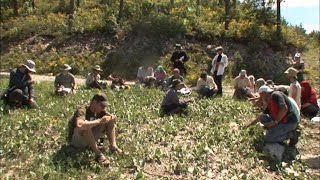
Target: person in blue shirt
column 21, row 91
column 171, row 103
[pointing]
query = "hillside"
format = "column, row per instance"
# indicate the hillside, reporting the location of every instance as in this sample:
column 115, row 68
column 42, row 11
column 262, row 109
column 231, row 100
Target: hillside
column 147, row 33
column 211, row 143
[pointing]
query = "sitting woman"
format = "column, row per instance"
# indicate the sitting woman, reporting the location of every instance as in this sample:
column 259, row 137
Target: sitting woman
column 309, row 104
column 160, row 74
column 171, row 103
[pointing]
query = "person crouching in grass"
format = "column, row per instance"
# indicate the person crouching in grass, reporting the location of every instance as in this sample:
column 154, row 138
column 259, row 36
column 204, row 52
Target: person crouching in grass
column 171, row 103
column 91, row 123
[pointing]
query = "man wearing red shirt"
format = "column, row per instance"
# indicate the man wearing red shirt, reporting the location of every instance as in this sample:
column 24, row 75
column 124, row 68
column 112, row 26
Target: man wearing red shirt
column 309, row 105
column 279, row 117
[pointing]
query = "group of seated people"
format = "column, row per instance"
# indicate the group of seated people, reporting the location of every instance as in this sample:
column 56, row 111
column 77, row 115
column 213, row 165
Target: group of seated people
column 281, row 105
column 301, row 92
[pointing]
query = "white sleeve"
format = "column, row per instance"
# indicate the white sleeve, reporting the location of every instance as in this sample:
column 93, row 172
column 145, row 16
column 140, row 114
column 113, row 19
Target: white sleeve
column 139, row 73
column 225, row 61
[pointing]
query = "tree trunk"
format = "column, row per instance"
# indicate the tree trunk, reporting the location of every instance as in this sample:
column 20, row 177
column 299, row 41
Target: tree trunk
column 15, row 7
column 227, row 9
column 78, row 3
column 33, row 5
column 278, row 17
column 1, row 18
column 171, row 4
column 121, row 10
column 198, row 8
column 72, row 6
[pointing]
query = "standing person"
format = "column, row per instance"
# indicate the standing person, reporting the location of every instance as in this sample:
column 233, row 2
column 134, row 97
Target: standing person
column 309, row 104
column 219, row 63
column 279, row 118
column 93, row 78
column 179, row 58
column 20, row 91
column 299, row 66
column 205, row 85
column 65, row 82
column 295, row 88
column 171, row 103
column 160, row 74
column 242, row 86
column 91, row 123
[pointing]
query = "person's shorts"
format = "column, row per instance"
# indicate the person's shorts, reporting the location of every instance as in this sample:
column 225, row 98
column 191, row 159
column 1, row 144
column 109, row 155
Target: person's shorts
column 78, row 139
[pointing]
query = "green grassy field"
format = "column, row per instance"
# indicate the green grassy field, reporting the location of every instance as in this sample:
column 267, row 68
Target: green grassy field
column 209, row 143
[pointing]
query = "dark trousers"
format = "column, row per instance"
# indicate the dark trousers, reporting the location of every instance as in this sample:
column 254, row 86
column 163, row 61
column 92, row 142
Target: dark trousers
column 17, row 98
column 98, row 85
column 218, row 81
column 206, row 92
column 170, row 108
column 310, row 111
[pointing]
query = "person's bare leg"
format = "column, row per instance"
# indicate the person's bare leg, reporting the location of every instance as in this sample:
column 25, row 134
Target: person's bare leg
column 89, row 139
column 111, row 133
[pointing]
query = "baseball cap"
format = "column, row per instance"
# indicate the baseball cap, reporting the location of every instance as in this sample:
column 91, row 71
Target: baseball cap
column 101, row 98
column 265, row 88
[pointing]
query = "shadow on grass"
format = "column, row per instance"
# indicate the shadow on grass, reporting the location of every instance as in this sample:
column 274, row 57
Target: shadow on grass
column 68, row 157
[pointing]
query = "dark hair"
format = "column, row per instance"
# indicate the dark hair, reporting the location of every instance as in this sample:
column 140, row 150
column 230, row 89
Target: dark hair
column 203, row 75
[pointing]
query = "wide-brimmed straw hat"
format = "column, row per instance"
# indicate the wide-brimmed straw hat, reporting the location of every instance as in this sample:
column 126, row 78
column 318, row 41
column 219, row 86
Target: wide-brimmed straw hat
column 219, row 48
column 97, row 68
column 178, row 46
column 30, row 65
column 66, row 67
column 292, row 72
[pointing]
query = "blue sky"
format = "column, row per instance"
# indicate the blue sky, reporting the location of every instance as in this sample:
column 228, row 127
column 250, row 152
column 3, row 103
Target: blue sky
column 305, row 12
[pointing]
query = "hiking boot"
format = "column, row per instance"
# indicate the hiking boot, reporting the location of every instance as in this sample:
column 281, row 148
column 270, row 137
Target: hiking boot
column 294, row 137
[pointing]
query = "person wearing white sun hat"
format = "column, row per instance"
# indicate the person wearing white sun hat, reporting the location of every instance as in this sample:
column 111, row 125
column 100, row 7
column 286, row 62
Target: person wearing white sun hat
column 280, row 118
column 20, row 91
column 65, row 81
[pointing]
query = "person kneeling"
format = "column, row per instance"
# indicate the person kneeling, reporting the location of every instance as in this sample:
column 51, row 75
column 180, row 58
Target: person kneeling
column 281, row 117
column 171, row 103
column 91, row 123
column 206, row 86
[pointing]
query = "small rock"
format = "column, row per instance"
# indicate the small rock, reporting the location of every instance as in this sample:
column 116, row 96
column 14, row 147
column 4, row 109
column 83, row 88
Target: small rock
column 274, row 149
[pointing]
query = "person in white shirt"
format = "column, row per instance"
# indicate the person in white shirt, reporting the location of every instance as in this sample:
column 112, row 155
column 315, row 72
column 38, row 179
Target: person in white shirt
column 295, row 88
column 145, row 75
column 206, row 86
column 219, row 63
